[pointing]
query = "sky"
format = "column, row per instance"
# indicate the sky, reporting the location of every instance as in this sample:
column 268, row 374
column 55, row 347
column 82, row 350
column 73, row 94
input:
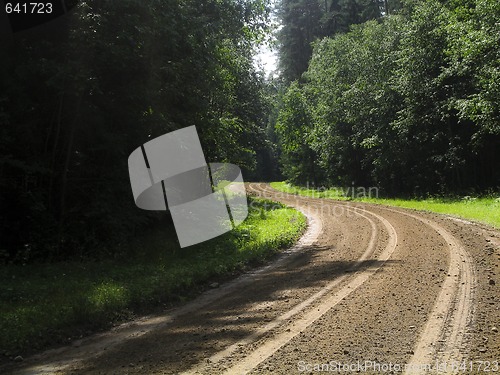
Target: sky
column 267, row 59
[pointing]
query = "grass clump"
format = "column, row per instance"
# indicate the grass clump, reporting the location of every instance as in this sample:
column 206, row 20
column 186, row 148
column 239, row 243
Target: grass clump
column 43, row 304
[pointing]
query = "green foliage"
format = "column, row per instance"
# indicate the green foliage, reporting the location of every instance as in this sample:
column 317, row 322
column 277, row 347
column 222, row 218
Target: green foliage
column 300, row 20
column 355, row 98
column 293, row 127
column 408, row 104
column 303, row 21
column 41, row 304
column 474, row 55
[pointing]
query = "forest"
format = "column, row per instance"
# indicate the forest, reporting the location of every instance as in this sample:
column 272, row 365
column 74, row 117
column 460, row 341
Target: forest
column 80, row 93
column 401, row 95
column 407, row 101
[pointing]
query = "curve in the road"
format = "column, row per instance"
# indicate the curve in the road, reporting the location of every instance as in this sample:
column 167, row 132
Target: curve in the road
column 270, row 346
column 443, row 337
column 444, row 334
column 361, row 241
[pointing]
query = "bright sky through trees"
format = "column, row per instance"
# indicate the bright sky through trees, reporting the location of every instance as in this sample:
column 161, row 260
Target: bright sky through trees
column 267, row 59
column 266, row 56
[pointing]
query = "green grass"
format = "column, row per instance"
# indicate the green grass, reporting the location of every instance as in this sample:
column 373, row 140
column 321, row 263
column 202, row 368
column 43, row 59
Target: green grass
column 45, row 304
column 482, row 209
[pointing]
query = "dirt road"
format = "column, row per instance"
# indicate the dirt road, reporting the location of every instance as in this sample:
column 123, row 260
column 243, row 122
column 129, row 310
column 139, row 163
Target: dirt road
column 368, row 289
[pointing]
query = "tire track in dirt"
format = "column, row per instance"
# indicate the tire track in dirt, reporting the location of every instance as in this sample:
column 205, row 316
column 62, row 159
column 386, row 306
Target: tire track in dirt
column 272, row 345
column 92, row 346
column 443, row 337
column 73, row 359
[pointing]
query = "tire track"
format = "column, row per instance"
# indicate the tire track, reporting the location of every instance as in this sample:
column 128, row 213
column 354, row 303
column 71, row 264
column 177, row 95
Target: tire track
column 444, row 336
column 291, row 330
column 94, row 345
column 280, row 320
column 186, row 340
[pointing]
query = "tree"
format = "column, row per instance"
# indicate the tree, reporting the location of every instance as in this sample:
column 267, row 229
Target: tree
column 293, row 128
column 301, row 25
column 352, row 102
column 303, row 21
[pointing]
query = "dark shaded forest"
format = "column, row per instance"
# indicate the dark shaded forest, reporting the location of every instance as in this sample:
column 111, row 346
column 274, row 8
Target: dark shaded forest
column 80, row 93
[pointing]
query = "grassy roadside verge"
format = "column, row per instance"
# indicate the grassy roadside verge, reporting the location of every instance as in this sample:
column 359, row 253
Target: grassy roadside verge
column 482, row 209
column 44, row 304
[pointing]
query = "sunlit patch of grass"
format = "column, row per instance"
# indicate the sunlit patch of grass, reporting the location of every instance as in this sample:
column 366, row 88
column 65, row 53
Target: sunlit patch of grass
column 108, row 296
column 269, row 226
column 485, row 210
column 45, row 304
column 481, row 209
